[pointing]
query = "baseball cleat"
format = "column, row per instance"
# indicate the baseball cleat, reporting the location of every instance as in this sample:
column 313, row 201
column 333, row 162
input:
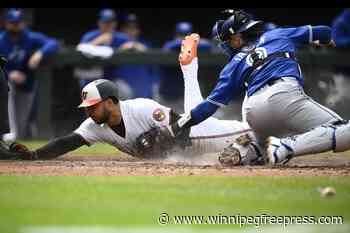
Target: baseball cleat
column 277, row 152
column 189, row 49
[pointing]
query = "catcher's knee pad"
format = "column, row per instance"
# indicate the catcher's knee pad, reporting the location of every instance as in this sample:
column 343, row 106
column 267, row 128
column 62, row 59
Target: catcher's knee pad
column 341, row 136
column 335, row 136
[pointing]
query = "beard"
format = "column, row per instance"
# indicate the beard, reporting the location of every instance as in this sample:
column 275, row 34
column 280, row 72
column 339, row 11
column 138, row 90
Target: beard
column 104, row 117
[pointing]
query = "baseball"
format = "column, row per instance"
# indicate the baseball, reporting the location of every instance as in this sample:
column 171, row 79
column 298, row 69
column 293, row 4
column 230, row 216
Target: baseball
column 327, row 191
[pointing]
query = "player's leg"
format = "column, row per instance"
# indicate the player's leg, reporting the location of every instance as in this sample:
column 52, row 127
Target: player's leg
column 22, row 102
column 4, row 120
column 5, row 151
column 283, row 109
column 334, row 136
column 189, row 65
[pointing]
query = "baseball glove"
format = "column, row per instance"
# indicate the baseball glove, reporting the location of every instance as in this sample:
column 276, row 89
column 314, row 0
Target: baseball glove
column 22, row 152
column 154, row 143
column 230, row 156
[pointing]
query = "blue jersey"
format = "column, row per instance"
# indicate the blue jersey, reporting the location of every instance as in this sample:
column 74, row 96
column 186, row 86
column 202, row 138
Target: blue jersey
column 231, row 81
column 118, row 39
column 18, row 52
column 233, row 76
column 341, row 29
column 141, row 78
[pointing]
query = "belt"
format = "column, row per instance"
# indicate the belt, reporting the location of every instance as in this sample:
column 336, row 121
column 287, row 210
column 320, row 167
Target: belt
column 259, row 62
column 273, row 82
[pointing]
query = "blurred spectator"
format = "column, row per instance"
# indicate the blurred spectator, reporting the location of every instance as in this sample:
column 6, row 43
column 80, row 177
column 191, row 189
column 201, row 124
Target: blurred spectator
column 341, row 29
column 341, row 37
column 336, row 91
column 183, row 29
column 269, row 26
column 105, row 36
column 24, row 50
column 171, row 90
column 141, row 79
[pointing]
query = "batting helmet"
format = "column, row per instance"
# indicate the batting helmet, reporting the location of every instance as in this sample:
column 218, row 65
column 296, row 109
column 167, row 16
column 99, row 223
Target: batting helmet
column 238, row 22
column 98, row 91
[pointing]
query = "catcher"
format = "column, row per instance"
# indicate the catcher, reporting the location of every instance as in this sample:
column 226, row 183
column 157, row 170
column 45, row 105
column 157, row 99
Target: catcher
column 136, row 126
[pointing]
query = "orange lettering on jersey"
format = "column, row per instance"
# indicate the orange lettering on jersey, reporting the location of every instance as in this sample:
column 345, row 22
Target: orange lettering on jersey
column 158, row 114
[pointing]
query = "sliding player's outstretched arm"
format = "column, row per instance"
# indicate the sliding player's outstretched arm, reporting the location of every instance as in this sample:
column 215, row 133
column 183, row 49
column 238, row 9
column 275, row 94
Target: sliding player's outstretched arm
column 86, row 134
column 60, row 146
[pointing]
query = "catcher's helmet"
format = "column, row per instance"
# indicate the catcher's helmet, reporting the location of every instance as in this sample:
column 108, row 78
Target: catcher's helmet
column 98, row 91
column 223, row 45
column 238, row 22
column 217, row 29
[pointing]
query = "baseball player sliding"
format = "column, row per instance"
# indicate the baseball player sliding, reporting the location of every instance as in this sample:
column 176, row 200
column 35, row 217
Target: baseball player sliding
column 265, row 67
column 129, row 125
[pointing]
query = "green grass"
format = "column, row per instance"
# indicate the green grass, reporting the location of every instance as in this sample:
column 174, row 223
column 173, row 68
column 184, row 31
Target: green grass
column 131, row 202
column 138, row 201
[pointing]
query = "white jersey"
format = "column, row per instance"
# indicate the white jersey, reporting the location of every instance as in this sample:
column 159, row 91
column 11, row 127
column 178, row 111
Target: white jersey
column 140, row 115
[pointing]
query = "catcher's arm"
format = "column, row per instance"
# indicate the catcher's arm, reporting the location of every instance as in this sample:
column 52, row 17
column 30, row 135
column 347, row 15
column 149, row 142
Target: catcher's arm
column 60, row 146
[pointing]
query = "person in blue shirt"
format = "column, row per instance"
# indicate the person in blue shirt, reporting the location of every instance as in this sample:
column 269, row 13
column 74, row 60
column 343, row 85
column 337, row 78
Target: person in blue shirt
column 181, row 30
column 24, row 49
column 341, row 29
column 107, row 35
column 170, row 86
column 142, row 80
column 265, row 67
column 341, row 36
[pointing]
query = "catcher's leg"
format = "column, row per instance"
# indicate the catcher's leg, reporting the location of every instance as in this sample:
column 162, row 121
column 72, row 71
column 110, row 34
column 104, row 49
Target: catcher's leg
column 335, row 136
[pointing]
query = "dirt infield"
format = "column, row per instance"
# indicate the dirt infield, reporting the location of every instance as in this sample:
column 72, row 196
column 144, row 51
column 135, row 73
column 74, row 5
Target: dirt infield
column 122, row 165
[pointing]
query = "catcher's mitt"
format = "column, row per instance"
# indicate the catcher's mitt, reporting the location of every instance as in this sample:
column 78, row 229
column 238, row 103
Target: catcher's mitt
column 230, row 156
